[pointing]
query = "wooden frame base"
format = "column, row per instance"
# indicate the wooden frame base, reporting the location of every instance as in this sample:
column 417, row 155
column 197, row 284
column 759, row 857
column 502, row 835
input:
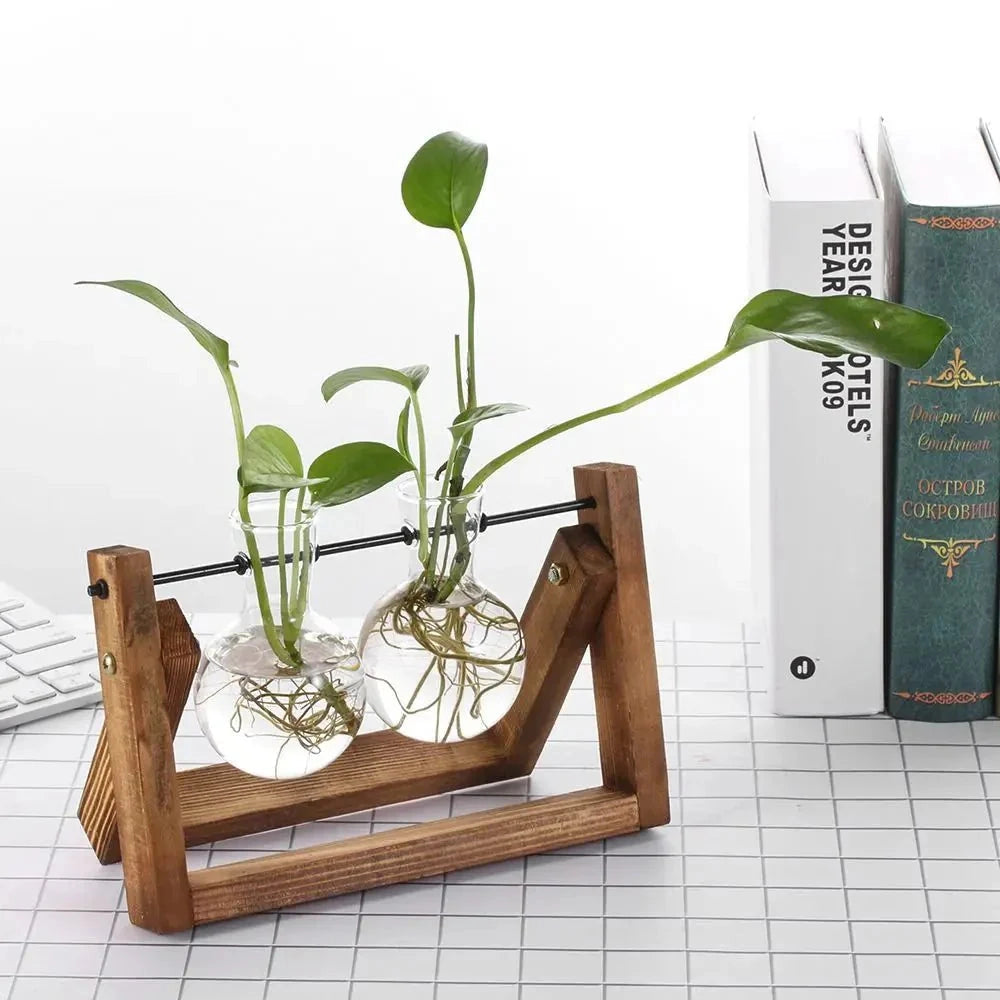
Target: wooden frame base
column 136, row 807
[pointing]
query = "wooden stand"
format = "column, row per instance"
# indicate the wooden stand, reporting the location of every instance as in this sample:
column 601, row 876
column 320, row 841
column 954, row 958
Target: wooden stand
column 592, row 590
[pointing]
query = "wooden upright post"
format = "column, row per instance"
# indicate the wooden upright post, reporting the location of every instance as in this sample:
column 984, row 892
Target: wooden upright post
column 140, row 741
column 180, row 653
column 633, row 757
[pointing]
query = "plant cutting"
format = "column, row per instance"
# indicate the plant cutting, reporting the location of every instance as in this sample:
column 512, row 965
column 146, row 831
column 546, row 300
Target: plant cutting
column 279, row 692
column 442, row 654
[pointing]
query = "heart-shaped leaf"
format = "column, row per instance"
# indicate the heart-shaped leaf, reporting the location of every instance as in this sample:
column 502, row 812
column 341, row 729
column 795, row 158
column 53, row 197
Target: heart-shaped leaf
column 271, row 461
column 839, row 324
column 442, row 181
column 416, row 374
column 409, row 378
column 468, row 419
column 215, row 346
column 354, row 470
column 270, row 449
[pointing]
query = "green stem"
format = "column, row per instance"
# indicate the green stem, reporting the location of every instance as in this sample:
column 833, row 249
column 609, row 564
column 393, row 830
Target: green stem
column 243, row 506
column 458, row 373
column 293, row 599
column 260, row 586
column 299, row 608
column 300, row 565
column 463, row 550
column 430, row 563
column 500, row 461
column 421, row 475
column 234, row 406
column 456, row 475
column 287, row 627
column 470, row 346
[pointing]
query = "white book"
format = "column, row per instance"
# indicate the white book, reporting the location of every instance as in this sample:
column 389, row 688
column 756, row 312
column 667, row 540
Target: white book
column 817, row 428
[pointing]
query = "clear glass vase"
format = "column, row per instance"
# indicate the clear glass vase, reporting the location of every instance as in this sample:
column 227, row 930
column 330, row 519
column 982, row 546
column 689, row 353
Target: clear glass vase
column 443, row 656
column 280, row 692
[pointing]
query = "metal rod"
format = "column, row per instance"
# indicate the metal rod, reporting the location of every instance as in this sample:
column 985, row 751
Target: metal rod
column 528, row 513
column 240, row 563
column 371, row 542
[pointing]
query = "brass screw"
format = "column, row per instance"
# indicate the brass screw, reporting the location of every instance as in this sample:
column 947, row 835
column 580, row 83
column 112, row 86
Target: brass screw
column 557, row 574
column 108, row 663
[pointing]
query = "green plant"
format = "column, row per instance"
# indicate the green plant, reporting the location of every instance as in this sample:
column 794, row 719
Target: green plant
column 269, row 461
column 440, row 188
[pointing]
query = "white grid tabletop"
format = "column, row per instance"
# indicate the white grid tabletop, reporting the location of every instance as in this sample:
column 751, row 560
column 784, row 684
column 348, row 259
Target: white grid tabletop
column 807, row 859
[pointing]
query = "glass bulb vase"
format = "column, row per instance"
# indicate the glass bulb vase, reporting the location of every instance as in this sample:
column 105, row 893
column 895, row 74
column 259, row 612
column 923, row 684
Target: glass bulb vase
column 280, row 692
column 443, row 656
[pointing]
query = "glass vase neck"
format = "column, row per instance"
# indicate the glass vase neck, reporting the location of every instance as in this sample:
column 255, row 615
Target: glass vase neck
column 264, row 512
column 272, row 531
column 445, row 531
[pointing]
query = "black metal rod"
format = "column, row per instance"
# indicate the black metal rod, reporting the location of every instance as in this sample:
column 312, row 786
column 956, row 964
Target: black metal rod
column 528, row 513
column 240, row 563
column 371, row 542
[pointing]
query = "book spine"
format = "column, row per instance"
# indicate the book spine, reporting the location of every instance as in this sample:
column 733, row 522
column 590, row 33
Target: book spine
column 817, row 470
column 945, row 512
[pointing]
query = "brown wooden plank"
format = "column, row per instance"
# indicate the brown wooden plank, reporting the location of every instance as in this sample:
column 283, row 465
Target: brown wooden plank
column 410, row 853
column 633, row 758
column 180, row 653
column 558, row 621
column 140, row 742
column 376, row 769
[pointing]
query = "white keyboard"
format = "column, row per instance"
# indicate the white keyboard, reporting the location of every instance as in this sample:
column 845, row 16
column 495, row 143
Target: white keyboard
column 44, row 667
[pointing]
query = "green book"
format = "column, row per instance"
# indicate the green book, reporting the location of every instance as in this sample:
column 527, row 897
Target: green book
column 943, row 256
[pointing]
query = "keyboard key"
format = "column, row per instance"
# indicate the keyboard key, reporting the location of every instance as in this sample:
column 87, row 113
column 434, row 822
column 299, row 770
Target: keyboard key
column 67, row 679
column 28, row 692
column 35, row 638
column 26, row 616
column 61, row 655
column 46, row 665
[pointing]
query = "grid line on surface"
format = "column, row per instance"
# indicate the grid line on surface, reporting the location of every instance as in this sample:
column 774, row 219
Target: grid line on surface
column 757, row 818
column 828, row 859
column 923, row 873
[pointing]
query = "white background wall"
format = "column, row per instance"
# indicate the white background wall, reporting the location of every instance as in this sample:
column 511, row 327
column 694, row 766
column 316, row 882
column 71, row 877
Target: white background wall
column 246, row 158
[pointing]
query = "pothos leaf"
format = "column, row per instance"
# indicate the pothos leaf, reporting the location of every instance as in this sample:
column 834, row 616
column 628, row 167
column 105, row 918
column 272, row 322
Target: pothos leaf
column 416, row 374
column 442, row 181
column 216, row 346
column 271, row 461
column 354, row 470
column 271, row 449
column 839, row 324
column 830, row 325
column 468, row 419
column 409, row 378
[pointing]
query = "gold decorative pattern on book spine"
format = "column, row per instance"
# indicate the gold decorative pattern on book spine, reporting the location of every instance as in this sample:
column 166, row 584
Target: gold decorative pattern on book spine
column 944, row 697
column 962, row 223
column 951, row 551
column 955, row 375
